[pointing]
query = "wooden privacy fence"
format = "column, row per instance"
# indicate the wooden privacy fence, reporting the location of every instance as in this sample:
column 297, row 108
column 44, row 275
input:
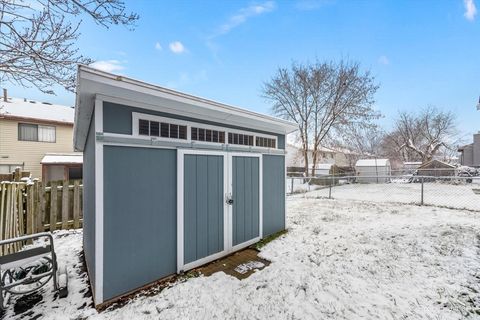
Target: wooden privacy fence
column 27, row 208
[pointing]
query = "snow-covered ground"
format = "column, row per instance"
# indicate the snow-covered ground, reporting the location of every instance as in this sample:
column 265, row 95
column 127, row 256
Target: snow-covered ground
column 461, row 196
column 341, row 259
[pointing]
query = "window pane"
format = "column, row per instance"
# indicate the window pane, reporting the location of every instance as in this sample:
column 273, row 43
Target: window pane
column 194, row 134
column 208, row 135
column 235, row 138
column 221, row 137
column 74, row 173
column 164, row 130
column 182, row 132
column 240, row 139
column 230, row 137
column 250, row 140
column 154, row 128
column 273, row 143
column 27, row 132
column 174, row 131
column 201, row 134
column 215, row 136
column 143, row 127
column 46, row 133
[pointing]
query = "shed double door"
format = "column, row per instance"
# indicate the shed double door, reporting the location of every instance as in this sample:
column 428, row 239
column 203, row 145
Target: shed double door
column 219, row 203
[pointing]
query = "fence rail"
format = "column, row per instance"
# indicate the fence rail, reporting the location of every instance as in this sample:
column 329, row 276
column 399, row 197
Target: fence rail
column 445, row 191
column 27, row 208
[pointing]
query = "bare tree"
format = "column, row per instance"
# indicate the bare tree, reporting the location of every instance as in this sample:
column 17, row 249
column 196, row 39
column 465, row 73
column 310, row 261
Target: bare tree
column 37, row 38
column 425, row 133
column 321, row 98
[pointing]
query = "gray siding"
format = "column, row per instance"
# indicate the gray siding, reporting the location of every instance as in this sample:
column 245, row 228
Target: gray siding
column 203, row 206
column 476, row 150
column 245, row 183
column 118, row 119
column 273, row 194
column 89, row 201
column 139, row 217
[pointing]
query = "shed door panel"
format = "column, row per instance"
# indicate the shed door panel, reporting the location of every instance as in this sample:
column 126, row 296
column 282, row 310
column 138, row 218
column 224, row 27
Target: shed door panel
column 203, row 206
column 245, row 192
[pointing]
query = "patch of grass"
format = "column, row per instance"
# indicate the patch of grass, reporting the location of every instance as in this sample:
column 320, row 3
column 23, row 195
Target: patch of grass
column 268, row 239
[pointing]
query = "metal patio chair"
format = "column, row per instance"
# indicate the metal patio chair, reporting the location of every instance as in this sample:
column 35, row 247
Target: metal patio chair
column 27, row 271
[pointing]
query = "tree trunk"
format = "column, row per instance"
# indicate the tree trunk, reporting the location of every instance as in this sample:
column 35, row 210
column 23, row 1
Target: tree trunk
column 314, row 161
column 305, row 157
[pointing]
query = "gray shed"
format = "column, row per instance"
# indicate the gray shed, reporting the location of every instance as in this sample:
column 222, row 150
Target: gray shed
column 171, row 181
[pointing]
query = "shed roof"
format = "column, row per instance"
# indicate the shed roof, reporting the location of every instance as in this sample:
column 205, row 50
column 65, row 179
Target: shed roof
column 436, row 163
column 95, row 84
column 16, row 108
column 372, row 163
column 62, row 158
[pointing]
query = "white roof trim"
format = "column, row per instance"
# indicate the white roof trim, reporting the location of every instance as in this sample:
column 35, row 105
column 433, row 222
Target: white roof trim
column 192, row 104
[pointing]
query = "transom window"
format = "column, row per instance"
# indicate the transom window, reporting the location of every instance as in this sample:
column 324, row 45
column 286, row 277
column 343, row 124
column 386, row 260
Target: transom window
column 201, row 134
column 189, row 131
column 161, row 129
column 265, row 142
column 239, row 138
column 36, row 132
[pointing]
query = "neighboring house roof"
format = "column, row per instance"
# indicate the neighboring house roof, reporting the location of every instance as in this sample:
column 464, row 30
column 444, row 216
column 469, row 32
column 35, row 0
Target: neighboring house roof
column 63, row 158
column 436, row 164
column 22, row 109
column 372, row 163
column 94, row 84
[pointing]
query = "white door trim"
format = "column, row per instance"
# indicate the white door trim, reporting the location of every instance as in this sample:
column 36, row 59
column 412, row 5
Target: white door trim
column 227, row 213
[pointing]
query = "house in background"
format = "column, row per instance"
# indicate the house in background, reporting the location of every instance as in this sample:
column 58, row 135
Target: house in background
column 326, row 158
column 62, row 166
column 470, row 153
column 29, row 130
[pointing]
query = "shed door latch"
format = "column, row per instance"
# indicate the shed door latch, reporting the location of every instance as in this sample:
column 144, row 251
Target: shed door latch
column 229, row 199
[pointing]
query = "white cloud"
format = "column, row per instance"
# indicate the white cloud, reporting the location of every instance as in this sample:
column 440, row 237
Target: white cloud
column 176, row 47
column 108, row 65
column 242, row 16
column 383, row 60
column 470, row 9
column 158, row 46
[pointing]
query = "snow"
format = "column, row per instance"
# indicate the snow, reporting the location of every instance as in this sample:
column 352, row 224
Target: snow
column 372, row 163
column 36, row 110
column 341, row 259
column 458, row 196
column 63, row 158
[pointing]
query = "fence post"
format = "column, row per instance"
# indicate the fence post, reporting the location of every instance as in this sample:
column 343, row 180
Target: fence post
column 291, row 189
column 65, row 204
column 53, row 205
column 330, row 188
column 76, row 204
column 421, row 200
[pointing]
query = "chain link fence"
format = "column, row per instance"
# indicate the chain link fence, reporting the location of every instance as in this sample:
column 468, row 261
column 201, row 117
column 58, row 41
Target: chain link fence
column 451, row 191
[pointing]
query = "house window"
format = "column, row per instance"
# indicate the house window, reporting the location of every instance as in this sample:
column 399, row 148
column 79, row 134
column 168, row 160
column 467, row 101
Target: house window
column 34, row 132
column 199, row 134
column 241, row 139
column 265, row 142
column 161, row 129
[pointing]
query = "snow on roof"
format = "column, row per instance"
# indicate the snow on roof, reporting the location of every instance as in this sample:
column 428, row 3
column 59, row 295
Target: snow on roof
column 412, row 163
column 324, row 166
column 29, row 109
column 63, row 158
column 372, row 163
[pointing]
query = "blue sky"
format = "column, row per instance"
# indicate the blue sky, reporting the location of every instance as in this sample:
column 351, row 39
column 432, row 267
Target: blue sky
column 421, row 52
